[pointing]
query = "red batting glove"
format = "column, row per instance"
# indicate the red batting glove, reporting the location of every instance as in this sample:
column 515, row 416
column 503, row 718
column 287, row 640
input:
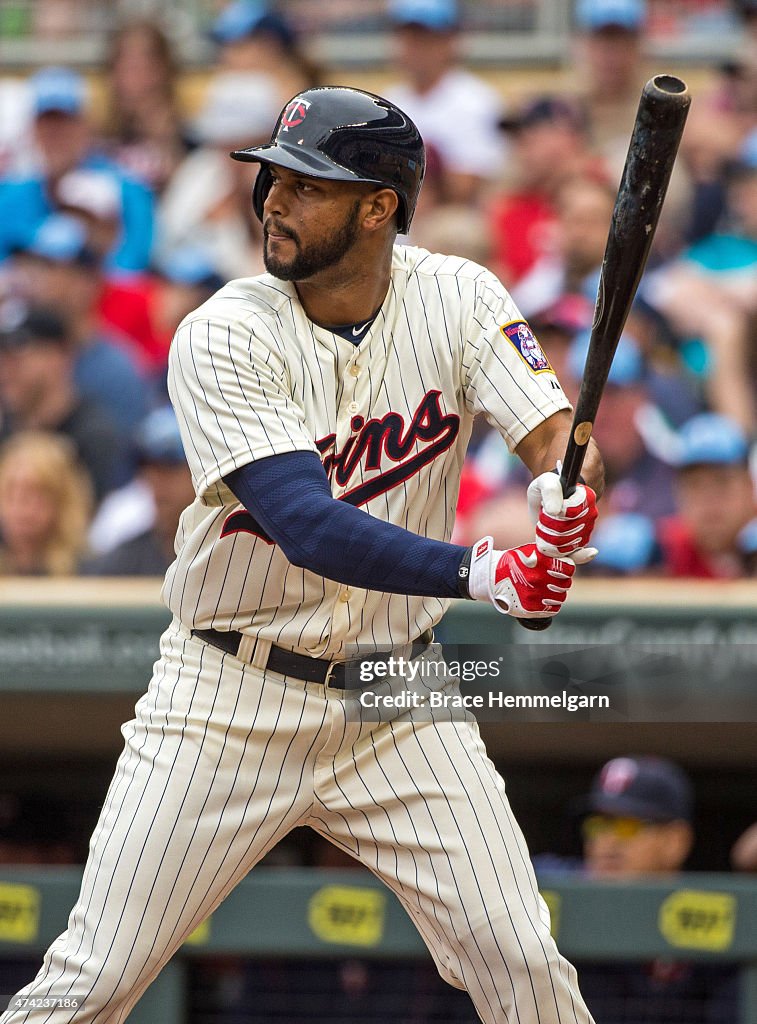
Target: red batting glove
column 563, row 525
column 520, row 581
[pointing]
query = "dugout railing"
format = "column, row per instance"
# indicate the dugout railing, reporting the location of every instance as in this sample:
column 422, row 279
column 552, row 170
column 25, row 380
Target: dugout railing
column 312, row 913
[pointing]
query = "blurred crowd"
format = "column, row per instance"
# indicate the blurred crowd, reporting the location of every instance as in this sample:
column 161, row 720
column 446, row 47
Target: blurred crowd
column 120, row 212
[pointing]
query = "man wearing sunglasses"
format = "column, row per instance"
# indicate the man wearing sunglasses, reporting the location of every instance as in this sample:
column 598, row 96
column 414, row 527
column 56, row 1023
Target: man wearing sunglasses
column 639, row 819
column 638, row 824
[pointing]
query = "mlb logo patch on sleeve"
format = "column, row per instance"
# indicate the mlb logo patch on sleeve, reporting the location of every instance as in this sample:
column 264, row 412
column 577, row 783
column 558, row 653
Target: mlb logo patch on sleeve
column 521, row 337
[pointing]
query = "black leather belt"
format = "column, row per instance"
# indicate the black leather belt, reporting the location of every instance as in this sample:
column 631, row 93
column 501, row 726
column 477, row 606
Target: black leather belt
column 300, row 666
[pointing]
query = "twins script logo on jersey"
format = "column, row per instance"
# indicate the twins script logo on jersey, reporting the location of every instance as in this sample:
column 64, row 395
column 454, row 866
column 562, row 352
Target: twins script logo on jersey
column 295, row 113
column 521, row 337
column 373, row 443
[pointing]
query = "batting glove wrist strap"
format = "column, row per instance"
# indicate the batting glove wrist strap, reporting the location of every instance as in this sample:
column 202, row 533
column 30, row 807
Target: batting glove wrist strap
column 463, row 575
column 520, row 581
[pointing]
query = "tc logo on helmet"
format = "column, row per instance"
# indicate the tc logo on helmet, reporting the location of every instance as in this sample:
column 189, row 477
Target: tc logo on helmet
column 294, row 114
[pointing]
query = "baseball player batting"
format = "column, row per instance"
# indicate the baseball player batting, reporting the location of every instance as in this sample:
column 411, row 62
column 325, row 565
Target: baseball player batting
column 325, row 408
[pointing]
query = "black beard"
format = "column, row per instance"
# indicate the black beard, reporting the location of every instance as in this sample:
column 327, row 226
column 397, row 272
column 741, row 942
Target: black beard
column 317, row 257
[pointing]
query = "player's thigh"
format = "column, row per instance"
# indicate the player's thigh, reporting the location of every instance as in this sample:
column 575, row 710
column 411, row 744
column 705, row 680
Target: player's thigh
column 421, row 804
column 204, row 787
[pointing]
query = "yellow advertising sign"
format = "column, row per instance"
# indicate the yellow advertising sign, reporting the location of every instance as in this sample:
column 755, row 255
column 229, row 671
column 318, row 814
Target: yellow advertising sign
column 200, row 935
column 347, row 915
column 693, row 919
column 19, row 913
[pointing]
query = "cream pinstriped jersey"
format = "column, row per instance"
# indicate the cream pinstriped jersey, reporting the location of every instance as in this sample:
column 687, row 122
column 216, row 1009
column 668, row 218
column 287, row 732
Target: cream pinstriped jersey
column 251, row 376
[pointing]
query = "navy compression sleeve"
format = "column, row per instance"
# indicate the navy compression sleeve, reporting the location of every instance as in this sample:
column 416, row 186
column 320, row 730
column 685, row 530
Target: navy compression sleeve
column 290, row 498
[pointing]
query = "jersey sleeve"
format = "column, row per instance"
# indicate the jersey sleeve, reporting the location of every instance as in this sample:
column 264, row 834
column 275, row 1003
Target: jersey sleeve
column 229, row 386
column 508, row 376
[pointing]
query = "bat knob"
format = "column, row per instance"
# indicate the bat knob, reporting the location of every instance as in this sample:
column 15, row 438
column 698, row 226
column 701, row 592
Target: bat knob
column 535, row 624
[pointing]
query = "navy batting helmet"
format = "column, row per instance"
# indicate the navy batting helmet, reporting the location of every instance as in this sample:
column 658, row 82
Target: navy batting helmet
column 344, row 135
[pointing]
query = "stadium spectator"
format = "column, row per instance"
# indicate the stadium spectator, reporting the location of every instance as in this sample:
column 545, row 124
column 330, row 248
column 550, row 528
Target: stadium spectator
column 207, row 203
column 45, row 506
column 638, row 819
column 709, row 296
column 610, row 59
column 66, row 273
column 63, row 138
column 37, row 392
column 458, row 230
column 184, row 279
column 456, row 112
column 143, row 129
column 164, row 470
column 251, row 37
column 638, row 825
column 713, row 534
column 571, row 263
column 550, row 146
column 709, row 145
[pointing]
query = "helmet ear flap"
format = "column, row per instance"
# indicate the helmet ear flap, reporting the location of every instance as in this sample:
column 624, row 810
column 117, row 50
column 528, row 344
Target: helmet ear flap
column 260, row 190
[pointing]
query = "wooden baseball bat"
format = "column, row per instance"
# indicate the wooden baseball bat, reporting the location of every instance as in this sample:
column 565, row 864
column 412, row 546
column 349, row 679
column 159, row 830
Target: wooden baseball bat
column 656, row 135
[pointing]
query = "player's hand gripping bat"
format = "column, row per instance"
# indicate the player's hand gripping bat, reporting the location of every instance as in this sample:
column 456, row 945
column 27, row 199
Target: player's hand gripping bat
column 663, row 107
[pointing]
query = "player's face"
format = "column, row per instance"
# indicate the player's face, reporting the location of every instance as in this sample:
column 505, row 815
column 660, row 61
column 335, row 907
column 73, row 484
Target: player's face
column 630, row 848
column 309, row 224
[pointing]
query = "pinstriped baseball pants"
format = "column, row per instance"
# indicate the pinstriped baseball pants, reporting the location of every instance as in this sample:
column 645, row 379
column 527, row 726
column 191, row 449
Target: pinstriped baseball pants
column 222, row 760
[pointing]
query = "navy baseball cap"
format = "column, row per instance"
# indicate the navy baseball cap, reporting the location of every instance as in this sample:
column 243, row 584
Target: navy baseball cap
column 546, row 110
column 594, row 15
column 58, row 90
column 437, row 15
column 157, row 438
column 711, row 439
column 22, row 325
column 652, row 788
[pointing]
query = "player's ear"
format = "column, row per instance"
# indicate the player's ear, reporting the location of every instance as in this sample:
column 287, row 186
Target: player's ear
column 380, row 208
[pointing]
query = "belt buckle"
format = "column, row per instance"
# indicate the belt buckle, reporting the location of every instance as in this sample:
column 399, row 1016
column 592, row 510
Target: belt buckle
column 329, row 671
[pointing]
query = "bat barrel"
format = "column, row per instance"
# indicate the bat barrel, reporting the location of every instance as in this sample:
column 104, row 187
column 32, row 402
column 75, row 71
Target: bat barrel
column 657, row 133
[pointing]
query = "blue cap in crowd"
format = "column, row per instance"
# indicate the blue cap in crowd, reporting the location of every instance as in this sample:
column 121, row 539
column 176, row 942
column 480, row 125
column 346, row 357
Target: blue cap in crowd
column 627, row 542
column 627, row 367
column 746, row 161
column 438, row 15
column 190, row 265
column 594, row 15
column 157, row 438
column 245, row 17
column 58, row 89
column 651, row 788
column 711, row 439
column 62, row 238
